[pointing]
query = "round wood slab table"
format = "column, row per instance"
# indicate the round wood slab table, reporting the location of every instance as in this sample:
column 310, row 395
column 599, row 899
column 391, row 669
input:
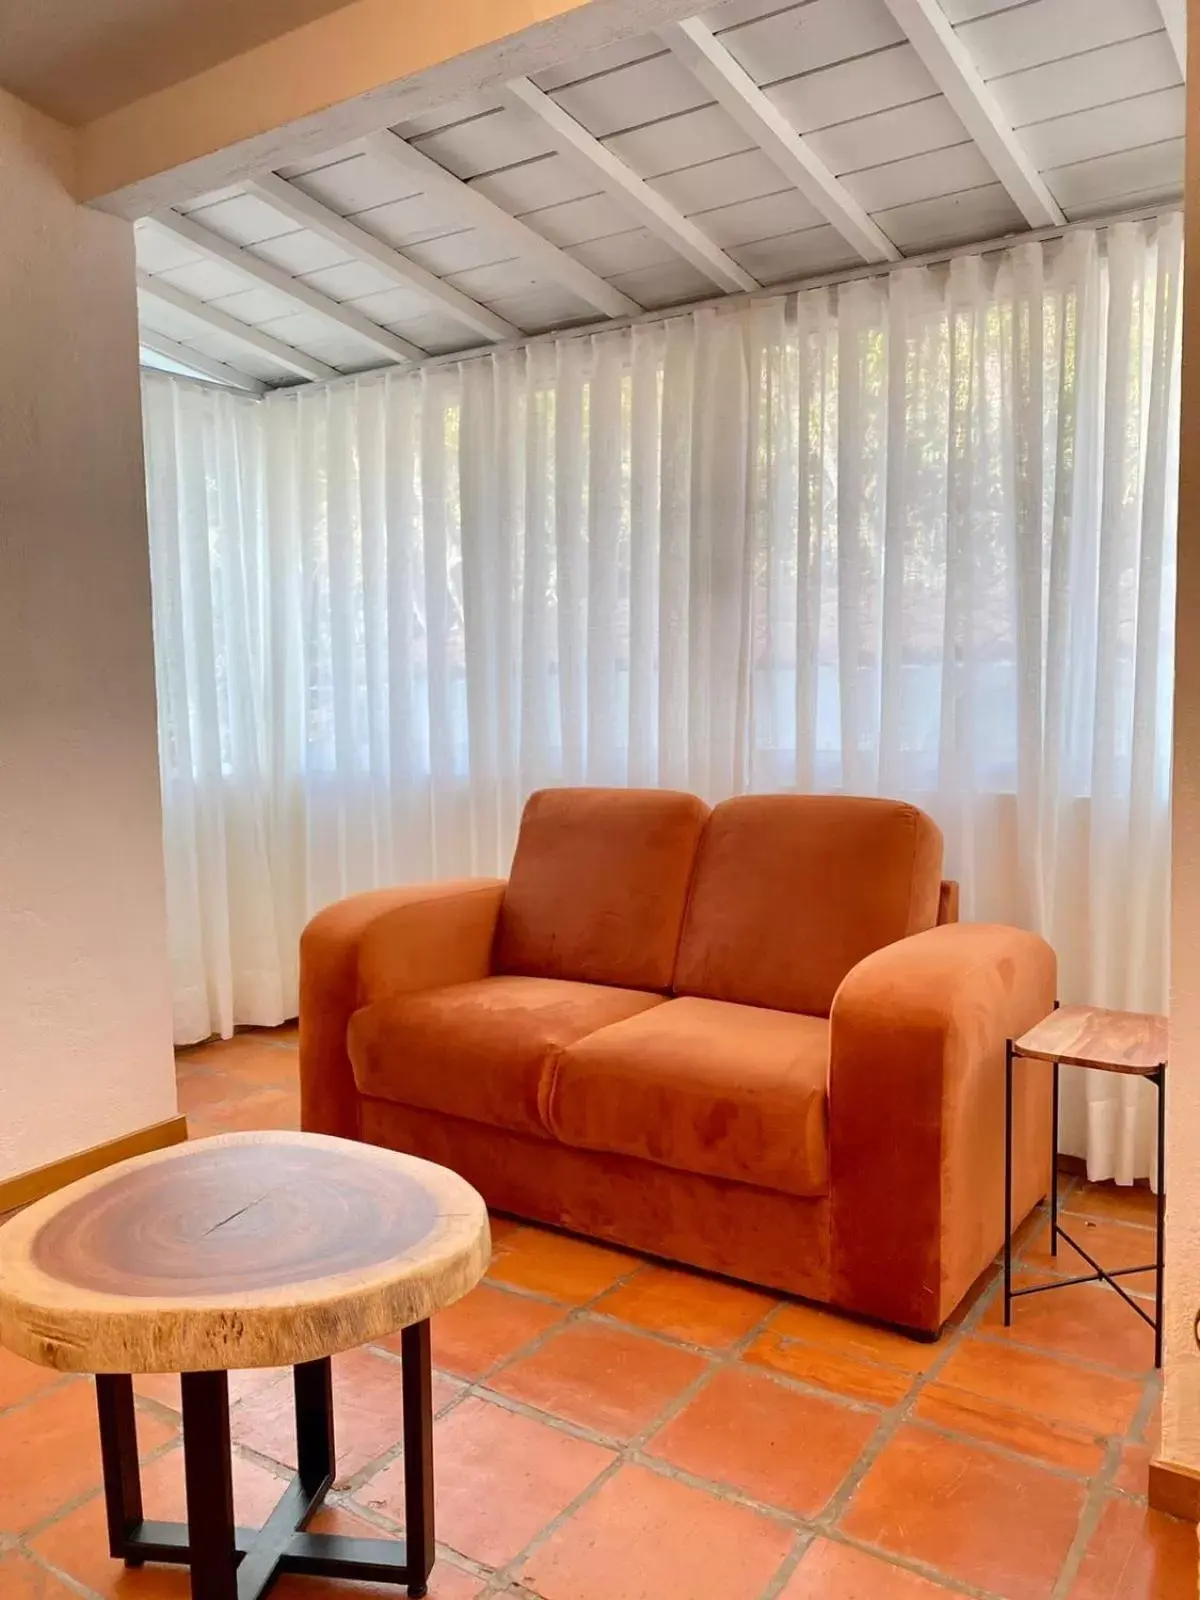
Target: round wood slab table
column 248, row 1250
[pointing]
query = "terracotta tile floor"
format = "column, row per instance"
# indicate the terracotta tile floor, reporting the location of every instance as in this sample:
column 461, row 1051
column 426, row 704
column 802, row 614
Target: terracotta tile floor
column 613, row 1429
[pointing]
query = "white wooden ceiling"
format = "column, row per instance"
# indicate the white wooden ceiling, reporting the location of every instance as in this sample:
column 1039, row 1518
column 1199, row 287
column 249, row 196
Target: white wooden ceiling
column 761, row 145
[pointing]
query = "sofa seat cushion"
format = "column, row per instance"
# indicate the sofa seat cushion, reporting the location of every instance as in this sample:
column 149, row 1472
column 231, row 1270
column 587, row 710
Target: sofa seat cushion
column 730, row 1091
column 485, row 1050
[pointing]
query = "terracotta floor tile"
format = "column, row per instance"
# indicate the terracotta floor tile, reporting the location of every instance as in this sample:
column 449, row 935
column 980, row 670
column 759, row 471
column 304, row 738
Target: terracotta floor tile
column 257, row 1108
column 1047, row 1386
column 1086, row 1320
column 976, row 1517
column 1133, row 1474
column 557, row 1265
column 827, row 1369
column 1138, row 1554
column 268, row 1067
column 447, row 1582
column 201, row 1092
column 486, row 1326
column 1114, row 1245
column 783, row 1448
column 501, row 1478
column 367, row 1413
column 19, row 1379
column 832, row 1571
column 24, row 1579
column 857, row 1340
column 501, row 1226
column 645, row 1537
column 78, row 1544
column 164, row 1386
column 1151, row 1432
column 1117, row 1202
column 230, row 1055
column 55, row 1441
column 687, row 1305
column 1058, row 1444
column 601, row 1377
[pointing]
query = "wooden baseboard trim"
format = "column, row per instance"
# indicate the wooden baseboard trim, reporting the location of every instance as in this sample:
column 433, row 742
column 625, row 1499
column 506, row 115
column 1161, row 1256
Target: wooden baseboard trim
column 29, row 1186
column 1175, row 1490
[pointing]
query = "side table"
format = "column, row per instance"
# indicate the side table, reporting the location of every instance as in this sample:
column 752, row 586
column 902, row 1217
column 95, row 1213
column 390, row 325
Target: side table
column 1129, row 1042
column 248, row 1250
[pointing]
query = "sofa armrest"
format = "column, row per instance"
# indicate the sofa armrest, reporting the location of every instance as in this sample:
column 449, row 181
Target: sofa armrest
column 916, row 1115
column 389, row 941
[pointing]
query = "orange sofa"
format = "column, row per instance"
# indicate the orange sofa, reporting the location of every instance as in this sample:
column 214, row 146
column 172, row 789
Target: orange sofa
column 754, row 1039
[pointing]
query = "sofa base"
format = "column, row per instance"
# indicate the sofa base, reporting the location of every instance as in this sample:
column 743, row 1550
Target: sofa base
column 777, row 1241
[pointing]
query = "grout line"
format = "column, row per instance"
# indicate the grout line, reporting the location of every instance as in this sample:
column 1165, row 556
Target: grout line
column 1089, row 1519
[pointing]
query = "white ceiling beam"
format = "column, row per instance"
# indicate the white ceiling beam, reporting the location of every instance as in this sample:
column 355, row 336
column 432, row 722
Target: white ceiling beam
column 483, row 213
column 695, row 45
column 939, row 47
column 267, row 276
column 292, row 202
column 652, row 211
column 203, row 366
column 1174, row 15
column 253, row 338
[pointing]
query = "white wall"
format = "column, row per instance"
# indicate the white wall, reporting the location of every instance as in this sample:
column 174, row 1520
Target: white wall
column 85, row 1022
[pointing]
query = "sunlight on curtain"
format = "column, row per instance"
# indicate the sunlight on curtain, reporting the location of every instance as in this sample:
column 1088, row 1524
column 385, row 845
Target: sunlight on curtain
column 913, row 535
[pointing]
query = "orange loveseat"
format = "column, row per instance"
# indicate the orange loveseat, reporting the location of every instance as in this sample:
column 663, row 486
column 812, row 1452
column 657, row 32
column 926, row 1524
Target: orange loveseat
column 753, row 1039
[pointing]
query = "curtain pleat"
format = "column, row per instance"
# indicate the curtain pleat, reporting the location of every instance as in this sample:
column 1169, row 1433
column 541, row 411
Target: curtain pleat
column 914, row 535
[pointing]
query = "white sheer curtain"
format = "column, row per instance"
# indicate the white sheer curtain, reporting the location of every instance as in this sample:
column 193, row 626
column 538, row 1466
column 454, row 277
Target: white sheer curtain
column 911, row 535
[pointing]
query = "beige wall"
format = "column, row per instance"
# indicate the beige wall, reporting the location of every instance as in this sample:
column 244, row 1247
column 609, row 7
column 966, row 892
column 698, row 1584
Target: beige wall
column 85, row 1023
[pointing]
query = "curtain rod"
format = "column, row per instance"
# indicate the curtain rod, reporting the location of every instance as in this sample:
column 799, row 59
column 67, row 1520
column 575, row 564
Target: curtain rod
column 860, row 273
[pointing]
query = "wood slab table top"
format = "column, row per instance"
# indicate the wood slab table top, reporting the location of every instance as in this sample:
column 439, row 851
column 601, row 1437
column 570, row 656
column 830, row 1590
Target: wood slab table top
column 246, row 1250
column 1089, row 1036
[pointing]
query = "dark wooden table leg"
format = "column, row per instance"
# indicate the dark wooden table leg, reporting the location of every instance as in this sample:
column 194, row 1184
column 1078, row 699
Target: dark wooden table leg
column 316, row 1460
column 208, row 1471
column 1008, row 1177
column 417, row 1386
column 119, row 1456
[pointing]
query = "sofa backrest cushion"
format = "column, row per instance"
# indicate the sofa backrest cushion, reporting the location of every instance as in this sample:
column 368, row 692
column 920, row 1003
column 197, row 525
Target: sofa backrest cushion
column 598, row 886
column 791, row 891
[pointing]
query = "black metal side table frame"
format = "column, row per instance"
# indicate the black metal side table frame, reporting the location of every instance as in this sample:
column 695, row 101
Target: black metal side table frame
column 231, row 1563
column 1099, row 1274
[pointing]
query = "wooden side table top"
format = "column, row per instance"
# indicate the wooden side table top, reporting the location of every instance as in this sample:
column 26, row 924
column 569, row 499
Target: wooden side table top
column 247, row 1250
column 1088, row 1036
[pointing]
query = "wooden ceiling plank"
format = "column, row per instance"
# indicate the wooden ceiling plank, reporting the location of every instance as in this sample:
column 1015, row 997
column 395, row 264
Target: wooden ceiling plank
column 363, row 246
column 1174, row 15
column 253, row 338
column 485, row 214
column 733, row 88
column 650, row 209
column 204, row 366
column 946, row 57
column 263, row 273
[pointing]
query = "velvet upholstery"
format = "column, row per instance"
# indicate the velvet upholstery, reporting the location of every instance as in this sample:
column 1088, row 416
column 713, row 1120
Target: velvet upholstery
column 598, row 886
column 359, row 949
column 486, row 1050
column 916, row 1115
column 948, row 902
column 734, row 1228
column 736, row 1092
column 544, row 1103
column 790, row 891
